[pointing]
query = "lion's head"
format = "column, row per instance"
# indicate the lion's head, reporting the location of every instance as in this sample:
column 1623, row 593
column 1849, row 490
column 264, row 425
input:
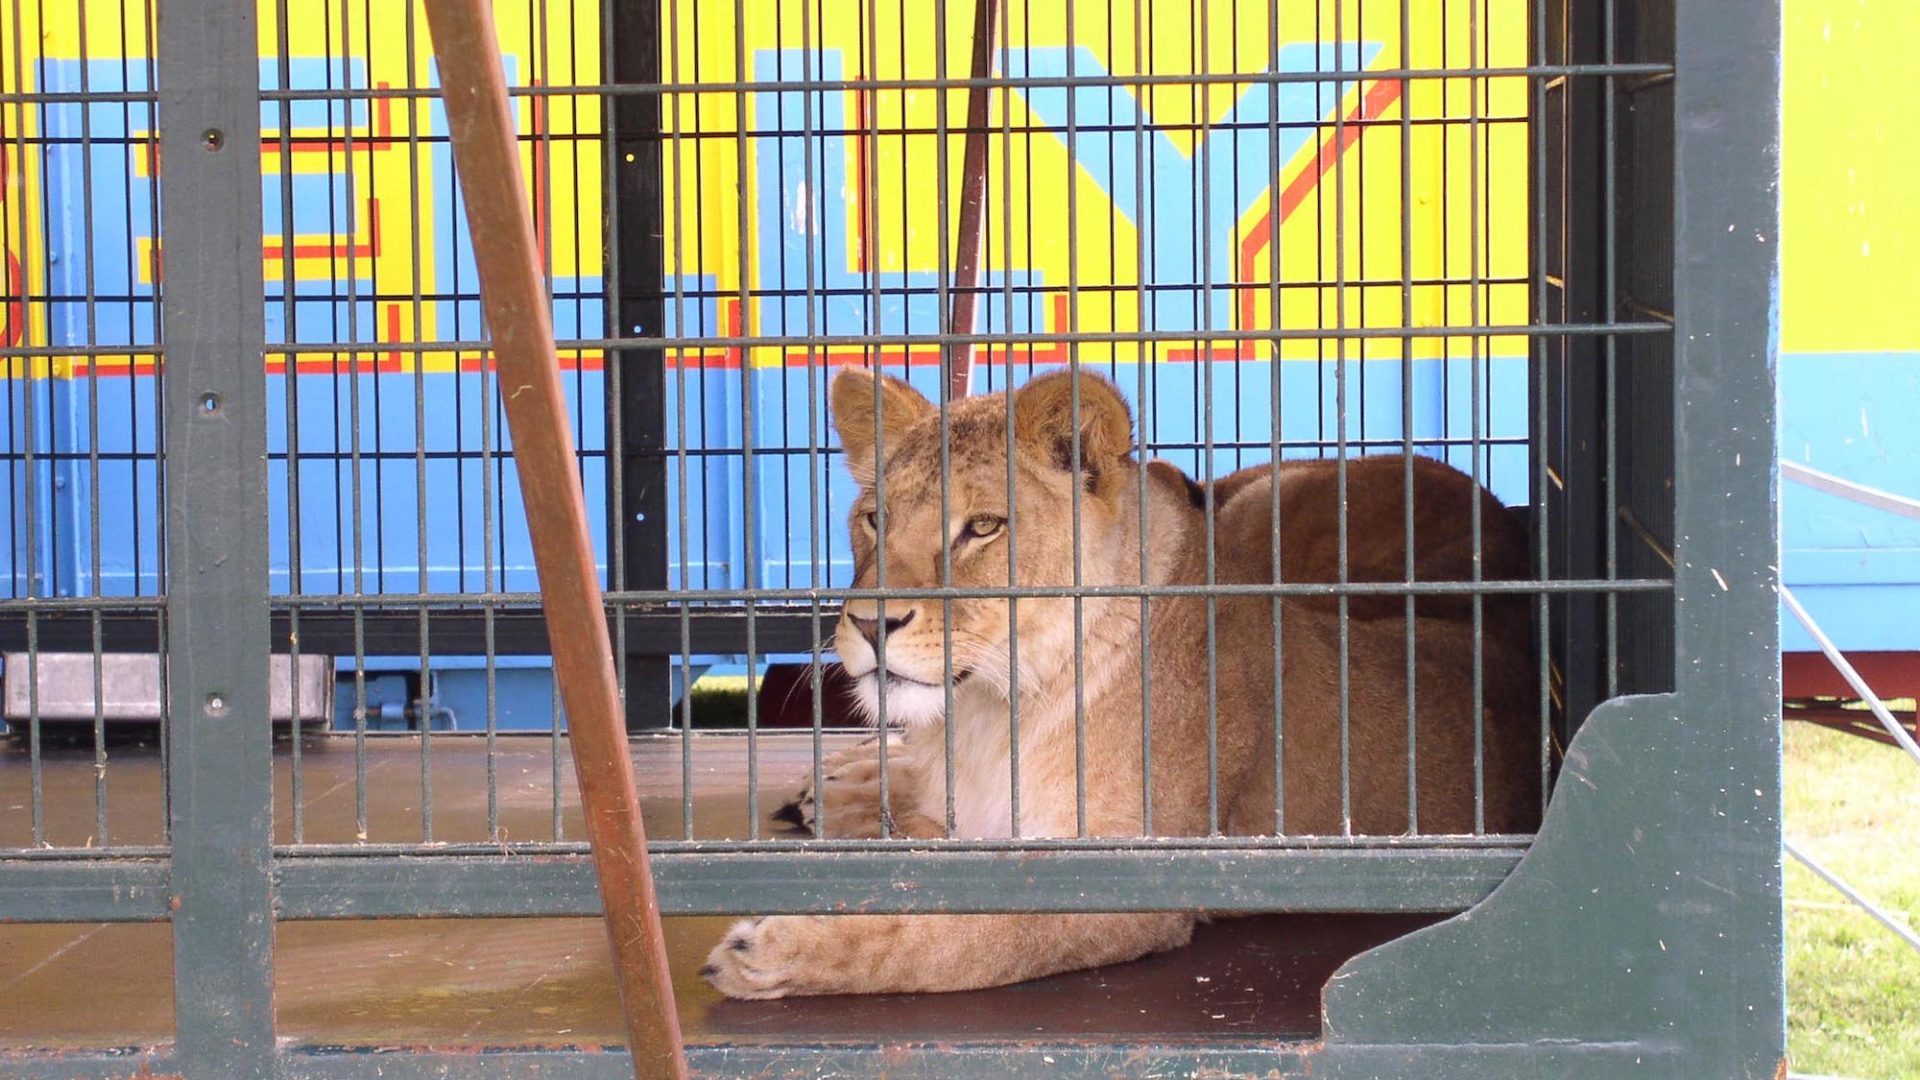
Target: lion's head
column 1005, row 521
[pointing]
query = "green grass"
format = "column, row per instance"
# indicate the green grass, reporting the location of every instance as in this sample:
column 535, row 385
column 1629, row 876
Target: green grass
column 1853, row 988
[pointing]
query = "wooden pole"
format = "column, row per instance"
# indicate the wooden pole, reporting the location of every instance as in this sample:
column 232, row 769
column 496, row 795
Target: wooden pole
column 487, row 155
column 973, row 197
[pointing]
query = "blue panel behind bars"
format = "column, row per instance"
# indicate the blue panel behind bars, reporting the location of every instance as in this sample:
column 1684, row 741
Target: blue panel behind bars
column 1856, row 569
column 383, row 533
column 55, row 420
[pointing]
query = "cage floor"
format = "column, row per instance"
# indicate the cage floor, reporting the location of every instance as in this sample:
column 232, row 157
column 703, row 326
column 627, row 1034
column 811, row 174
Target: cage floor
column 549, row 981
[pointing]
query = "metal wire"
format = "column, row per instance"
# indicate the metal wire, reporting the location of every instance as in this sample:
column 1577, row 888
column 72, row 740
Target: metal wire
column 718, row 321
column 1146, row 79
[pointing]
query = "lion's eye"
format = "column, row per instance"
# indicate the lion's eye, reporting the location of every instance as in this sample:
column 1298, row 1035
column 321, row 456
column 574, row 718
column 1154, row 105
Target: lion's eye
column 981, row 526
column 873, row 521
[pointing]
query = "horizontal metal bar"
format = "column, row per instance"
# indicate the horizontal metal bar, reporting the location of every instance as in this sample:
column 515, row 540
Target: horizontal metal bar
column 84, row 890
column 59, row 352
column 881, row 340
column 1033, row 337
column 796, row 844
column 1284, row 879
column 1237, row 78
column 524, row 632
column 84, row 854
column 783, row 623
column 1020, row 290
column 77, row 97
column 396, row 630
column 1023, row 290
column 65, row 629
column 789, row 598
column 694, row 453
column 48, row 604
column 1078, row 130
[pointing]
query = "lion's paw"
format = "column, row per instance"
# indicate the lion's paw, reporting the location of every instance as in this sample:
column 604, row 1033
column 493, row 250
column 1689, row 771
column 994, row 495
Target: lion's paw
column 851, row 790
column 763, row 958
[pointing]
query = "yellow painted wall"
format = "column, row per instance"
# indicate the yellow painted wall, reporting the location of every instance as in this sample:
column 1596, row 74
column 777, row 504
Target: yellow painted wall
column 1850, row 185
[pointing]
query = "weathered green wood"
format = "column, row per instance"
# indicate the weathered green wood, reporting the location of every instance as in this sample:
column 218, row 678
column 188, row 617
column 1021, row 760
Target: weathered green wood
column 1649, row 909
column 83, row 890
column 118, row 1063
column 907, row 1061
column 220, row 775
column 792, row 1061
column 1410, row 880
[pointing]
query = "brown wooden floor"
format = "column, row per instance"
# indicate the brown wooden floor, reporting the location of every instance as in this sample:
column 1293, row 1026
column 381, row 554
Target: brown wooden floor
column 548, row 981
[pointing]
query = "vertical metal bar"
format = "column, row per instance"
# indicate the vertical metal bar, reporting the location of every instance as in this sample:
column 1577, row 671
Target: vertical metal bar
column 1012, row 504
column 816, row 196
column 1013, row 516
column 973, row 198
column 1234, row 284
column 812, row 192
column 1609, row 310
column 1476, row 359
column 749, row 497
column 870, row 253
column 356, row 501
column 1538, row 437
column 680, row 275
column 289, row 320
column 221, row 781
column 875, row 359
column 410, row 32
column 150, row 39
column 1406, row 411
column 30, row 412
column 1028, row 227
column 90, row 303
column 1148, row 375
column 1475, row 396
column 481, row 126
column 1203, row 349
column 1340, row 344
column 1272, row 56
column 1079, row 484
column 945, row 282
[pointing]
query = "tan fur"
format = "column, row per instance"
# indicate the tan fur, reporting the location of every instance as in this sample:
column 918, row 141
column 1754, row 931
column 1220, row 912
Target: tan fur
column 781, row 956
column 1443, row 550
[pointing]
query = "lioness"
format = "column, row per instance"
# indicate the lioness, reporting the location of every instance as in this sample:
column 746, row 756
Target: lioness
column 1308, row 496
column 792, row 955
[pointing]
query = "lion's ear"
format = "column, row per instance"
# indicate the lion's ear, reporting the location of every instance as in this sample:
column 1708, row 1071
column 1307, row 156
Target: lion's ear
column 864, row 404
column 1043, row 416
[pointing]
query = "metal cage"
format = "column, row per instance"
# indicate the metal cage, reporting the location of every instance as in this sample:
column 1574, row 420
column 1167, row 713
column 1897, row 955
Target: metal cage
column 273, row 651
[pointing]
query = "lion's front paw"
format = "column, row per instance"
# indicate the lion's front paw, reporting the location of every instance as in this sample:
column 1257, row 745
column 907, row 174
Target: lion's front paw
column 763, row 958
column 851, row 793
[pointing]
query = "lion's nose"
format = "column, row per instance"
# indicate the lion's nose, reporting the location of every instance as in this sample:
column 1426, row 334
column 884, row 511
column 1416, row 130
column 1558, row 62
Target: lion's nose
column 870, row 628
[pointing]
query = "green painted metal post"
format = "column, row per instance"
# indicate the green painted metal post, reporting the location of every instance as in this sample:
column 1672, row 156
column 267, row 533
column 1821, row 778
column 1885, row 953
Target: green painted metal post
column 219, row 731
column 1642, row 934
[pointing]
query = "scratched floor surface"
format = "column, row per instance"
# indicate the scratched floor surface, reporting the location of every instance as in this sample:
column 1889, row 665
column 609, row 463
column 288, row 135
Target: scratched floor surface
column 548, row 981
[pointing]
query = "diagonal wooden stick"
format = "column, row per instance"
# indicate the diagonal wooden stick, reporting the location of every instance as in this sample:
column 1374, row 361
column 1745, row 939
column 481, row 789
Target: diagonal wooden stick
column 973, row 199
column 487, row 156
